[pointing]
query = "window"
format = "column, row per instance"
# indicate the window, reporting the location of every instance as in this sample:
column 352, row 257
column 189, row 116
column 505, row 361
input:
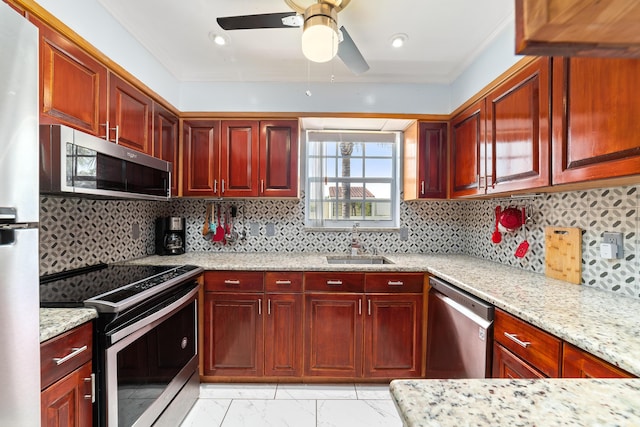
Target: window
column 352, row 178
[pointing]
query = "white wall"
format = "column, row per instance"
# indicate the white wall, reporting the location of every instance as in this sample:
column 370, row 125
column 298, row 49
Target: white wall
column 92, row 22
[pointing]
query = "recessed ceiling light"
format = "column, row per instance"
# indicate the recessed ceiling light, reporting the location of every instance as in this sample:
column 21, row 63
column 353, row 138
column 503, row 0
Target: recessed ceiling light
column 218, row 39
column 398, row 40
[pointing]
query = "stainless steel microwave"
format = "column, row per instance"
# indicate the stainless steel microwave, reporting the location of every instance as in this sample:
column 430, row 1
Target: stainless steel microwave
column 76, row 163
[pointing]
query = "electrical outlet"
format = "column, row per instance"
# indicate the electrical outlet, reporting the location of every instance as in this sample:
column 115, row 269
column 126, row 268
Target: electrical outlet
column 271, row 229
column 404, row 233
column 254, row 228
column 612, row 245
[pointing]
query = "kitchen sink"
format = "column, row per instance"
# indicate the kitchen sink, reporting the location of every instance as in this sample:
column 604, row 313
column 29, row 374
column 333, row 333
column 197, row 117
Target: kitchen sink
column 358, row 259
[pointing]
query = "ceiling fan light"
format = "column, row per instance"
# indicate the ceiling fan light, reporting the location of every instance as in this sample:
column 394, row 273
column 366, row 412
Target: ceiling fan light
column 319, row 41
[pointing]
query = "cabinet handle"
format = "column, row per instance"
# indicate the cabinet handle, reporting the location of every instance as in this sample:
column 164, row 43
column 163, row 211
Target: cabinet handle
column 359, row 306
column 215, row 185
column 117, row 141
column 514, row 338
column 91, row 396
column 269, row 306
column 334, row 282
column 395, row 283
column 283, row 282
column 262, row 186
column 260, row 306
column 422, row 188
column 223, row 186
column 369, row 307
column 232, row 282
column 75, row 351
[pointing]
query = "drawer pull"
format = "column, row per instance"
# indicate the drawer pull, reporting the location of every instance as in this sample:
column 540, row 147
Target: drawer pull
column 395, row 283
column 334, row 282
column 514, row 338
column 283, row 282
column 232, row 282
column 75, row 351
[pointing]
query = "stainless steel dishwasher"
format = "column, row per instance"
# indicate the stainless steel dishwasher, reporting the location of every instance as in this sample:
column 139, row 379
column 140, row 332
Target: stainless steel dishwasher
column 459, row 333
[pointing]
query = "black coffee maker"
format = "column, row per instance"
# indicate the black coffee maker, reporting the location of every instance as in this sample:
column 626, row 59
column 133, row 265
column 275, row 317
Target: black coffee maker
column 170, row 235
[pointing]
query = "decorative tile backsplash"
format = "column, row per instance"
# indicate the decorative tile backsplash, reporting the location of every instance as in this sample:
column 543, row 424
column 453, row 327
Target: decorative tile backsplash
column 77, row 232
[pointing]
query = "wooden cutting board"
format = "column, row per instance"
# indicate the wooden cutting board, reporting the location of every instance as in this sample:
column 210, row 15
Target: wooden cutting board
column 563, row 253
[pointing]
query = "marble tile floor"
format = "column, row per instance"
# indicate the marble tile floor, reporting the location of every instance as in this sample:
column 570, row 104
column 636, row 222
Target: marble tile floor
column 293, row 405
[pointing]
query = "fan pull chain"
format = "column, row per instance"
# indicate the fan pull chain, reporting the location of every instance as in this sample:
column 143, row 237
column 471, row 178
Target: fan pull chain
column 308, row 91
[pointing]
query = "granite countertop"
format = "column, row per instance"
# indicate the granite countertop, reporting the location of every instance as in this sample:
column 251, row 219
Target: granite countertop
column 497, row 402
column 594, row 320
column 55, row 321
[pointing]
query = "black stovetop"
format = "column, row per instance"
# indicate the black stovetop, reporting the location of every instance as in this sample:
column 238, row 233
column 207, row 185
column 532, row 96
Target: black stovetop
column 71, row 288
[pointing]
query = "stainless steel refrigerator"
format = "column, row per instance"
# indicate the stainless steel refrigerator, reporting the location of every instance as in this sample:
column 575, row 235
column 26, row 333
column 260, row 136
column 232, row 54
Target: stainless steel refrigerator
column 19, row 208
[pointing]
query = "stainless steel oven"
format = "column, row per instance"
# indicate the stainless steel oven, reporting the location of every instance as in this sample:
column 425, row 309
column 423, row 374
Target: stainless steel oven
column 145, row 340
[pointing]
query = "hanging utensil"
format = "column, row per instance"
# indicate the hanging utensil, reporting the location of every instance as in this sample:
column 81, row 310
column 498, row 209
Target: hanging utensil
column 496, row 237
column 205, row 227
column 523, row 247
column 234, row 214
column 219, row 235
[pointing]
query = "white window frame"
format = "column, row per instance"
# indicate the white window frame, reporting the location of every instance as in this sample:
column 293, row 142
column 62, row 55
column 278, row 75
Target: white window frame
column 344, row 224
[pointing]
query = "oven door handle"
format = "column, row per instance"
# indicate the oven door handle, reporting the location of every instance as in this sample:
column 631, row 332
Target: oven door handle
column 148, row 322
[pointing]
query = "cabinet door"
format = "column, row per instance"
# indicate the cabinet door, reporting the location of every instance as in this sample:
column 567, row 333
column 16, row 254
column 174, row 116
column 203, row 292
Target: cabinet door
column 67, row 402
column 595, row 119
column 233, row 334
column 393, row 336
column 165, row 141
column 432, row 161
column 580, row 364
column 333, row 335
column 283, row 335
column 518, row 131
column 239, row 158
column 200, row 167
column 279, row 158
column 508, row 365
column 73, row 85
column 130, row 114
column 468, row 152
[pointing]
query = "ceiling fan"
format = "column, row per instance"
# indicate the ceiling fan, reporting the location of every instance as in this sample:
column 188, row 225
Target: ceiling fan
column 321, row 38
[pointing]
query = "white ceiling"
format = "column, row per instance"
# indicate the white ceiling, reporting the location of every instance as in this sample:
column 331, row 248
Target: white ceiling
column 444, row 37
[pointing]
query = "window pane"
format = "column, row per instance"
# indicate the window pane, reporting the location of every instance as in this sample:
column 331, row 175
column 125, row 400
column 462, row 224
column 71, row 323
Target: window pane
column 379, row 168
column 378, row 190
column 378, row 211
column 379, row 149
column 353, row 168
column 330, row 167
column 330, row 148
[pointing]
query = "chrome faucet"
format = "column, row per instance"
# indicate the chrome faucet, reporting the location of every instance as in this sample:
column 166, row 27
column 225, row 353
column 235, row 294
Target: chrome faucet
column 356, row 246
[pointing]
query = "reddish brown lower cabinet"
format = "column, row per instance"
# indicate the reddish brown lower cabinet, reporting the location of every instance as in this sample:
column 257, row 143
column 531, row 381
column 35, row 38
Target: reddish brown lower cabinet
column 333, row 335
column 577, row 363
column 393, row 336
column 283, row 335
column 233, row 334
column 67, row 402
column 508, row 365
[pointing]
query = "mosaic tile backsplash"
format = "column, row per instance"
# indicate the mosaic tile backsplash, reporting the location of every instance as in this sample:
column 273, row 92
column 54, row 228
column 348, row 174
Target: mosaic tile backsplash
column 77, row 232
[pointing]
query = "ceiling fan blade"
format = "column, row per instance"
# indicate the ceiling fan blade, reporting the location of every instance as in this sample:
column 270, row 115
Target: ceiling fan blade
column 248, row 22
column 350, row 55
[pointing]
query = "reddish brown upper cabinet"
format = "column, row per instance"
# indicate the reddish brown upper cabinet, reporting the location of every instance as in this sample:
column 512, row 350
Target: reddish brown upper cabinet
column 201, row 158
column 130, row 115
column 73, row 85
column 425, row 161
column 165, row 141
column 239, row 158
column 468, row 151
column 518, row 130
column 595, row 119
column 278, row 158
column 577, row 363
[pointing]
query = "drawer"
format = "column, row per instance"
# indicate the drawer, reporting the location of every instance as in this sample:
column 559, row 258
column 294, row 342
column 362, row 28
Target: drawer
column 234, row 281
column 538, row 348
column 334, row 282
column 277, row 281
column 63, row 354
column 394, row 282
